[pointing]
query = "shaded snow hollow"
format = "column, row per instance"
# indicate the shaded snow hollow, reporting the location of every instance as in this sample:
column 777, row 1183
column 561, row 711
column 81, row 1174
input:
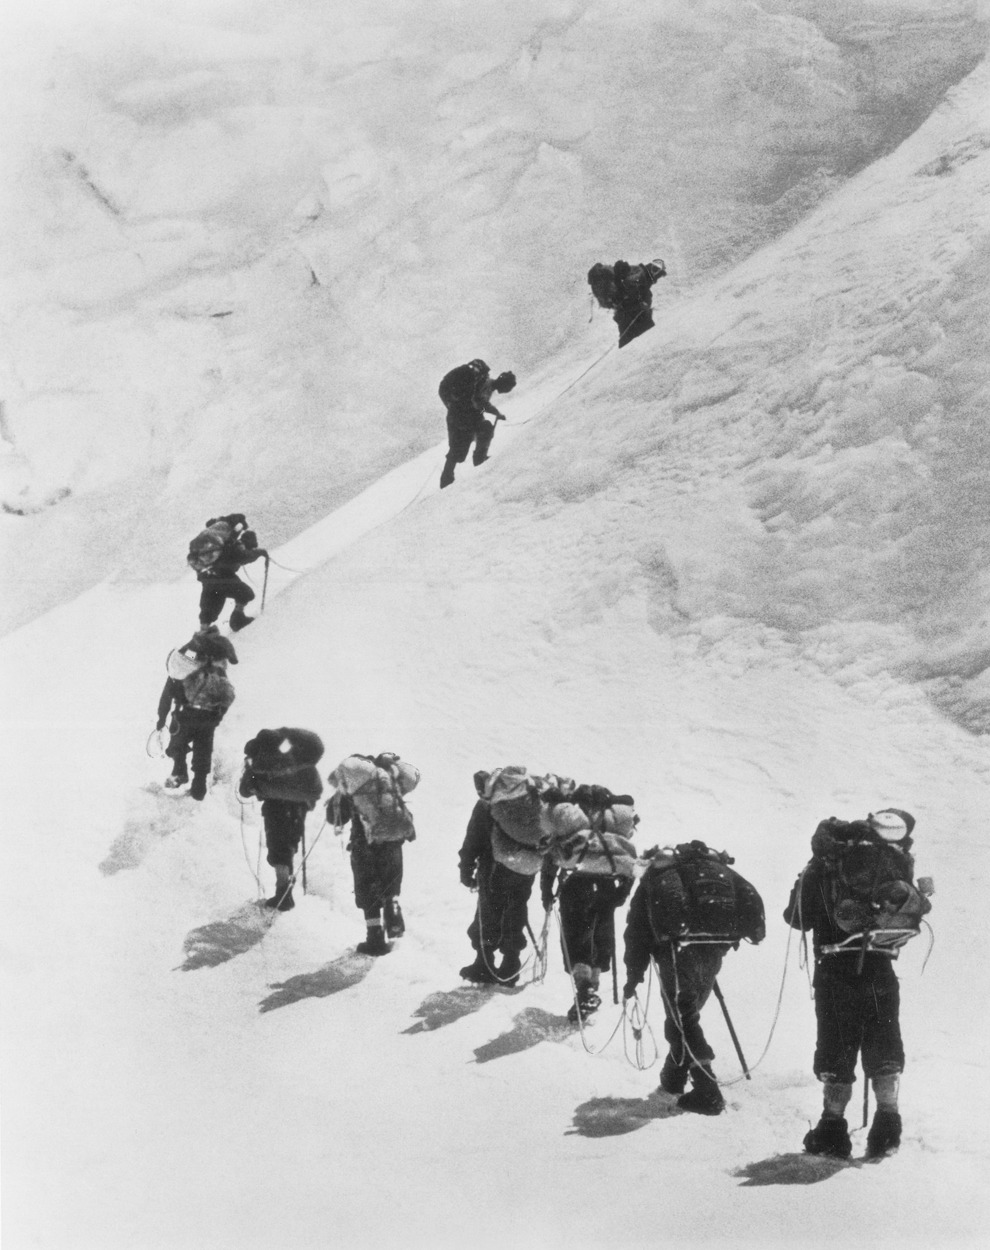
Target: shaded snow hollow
column 737, row 570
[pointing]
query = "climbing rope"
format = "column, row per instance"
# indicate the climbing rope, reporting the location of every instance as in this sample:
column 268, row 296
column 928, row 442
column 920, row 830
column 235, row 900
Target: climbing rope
column 637, row 1019
column 255, row 871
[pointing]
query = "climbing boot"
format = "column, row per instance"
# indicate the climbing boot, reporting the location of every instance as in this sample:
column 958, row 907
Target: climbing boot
column 830, row 1136
column 705, row 1097
column 374, row 943
column 482, row 971
column 885, row 1133
column 508, row 969
column 673, row 1076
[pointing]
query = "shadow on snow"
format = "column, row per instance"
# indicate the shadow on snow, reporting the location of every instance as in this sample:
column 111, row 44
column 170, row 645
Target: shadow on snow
column 611, row 1117
column 154, row 815
column 213, row 944
column 449, row 1006
column 793, row 1169
column 529, row 1028
column 340, row 974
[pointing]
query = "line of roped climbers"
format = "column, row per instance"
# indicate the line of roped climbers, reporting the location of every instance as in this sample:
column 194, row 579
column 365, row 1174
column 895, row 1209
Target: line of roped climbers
column 687, row 906
column 857, row 896
column 466, row 391
column 198, row 691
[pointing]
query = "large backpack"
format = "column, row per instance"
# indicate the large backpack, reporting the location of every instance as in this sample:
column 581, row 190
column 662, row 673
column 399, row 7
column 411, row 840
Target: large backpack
column 458, row 387
column 593, row 834
column 376, row 785
column 604, row 287
column 208, row 689
column 210, row 543
column 517, row 803
column 868, row 883
column 517, row 857
column 281, row 763
column 693, row 895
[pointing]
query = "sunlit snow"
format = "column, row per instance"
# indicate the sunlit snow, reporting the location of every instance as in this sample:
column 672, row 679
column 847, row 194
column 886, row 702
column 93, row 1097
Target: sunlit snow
column 738, row 569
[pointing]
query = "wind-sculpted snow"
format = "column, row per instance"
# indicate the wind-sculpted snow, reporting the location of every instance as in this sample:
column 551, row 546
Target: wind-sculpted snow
column 242, row 245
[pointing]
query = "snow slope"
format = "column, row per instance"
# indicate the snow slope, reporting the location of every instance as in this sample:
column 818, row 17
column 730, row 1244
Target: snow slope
column 242, row 242
column 736, row 570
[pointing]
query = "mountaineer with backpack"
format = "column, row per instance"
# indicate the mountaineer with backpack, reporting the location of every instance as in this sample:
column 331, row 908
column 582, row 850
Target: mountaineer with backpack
column 627, row 291
column 370, row 792
column 215, row 555
column 592, row 854
column 280, row 769
column 466, row 393
column 500, row 856
column 197, row 695
column 857, row 896
column 689, row 909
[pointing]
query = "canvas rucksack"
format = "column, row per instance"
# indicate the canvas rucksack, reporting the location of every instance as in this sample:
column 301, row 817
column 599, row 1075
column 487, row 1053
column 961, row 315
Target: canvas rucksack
column 604, row 287
column 376, row 786
column 868, row 883
column 518, row 806
column 209, row 544
column 281, row 763
column 458, row 387
column 208, row 690
column 693, row 895
column 517, row 857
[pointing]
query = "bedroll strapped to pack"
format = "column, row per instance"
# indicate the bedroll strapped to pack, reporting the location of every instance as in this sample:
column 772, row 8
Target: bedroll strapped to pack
column 869, row 883
column 593, row 834
column 693, row 895
column 208, row 689
column 376, row 786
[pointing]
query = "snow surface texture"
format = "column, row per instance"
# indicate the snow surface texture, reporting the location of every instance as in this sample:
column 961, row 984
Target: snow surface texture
column 738, row 569
column 243, row 241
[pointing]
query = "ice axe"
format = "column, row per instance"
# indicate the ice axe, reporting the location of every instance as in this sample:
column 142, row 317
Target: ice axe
column 732, row 1032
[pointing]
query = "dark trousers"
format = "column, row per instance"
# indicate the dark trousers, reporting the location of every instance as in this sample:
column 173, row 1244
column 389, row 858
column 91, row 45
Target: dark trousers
column 857, row 1016
column 464, row 427
column 502, row 915
column 587, row 921
column 633, row 320
column 687, row 975
column 191, row 730
column 215, row 593
column 377, row 871
column 284, row 825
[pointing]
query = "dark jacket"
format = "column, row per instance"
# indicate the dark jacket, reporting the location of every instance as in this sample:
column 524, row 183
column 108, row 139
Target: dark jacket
column 475, row 858
column 173, row 695
column 635, row 283
column 639, row 940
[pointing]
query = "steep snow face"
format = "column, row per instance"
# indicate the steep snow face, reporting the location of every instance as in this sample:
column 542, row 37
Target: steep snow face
column 242, row 243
